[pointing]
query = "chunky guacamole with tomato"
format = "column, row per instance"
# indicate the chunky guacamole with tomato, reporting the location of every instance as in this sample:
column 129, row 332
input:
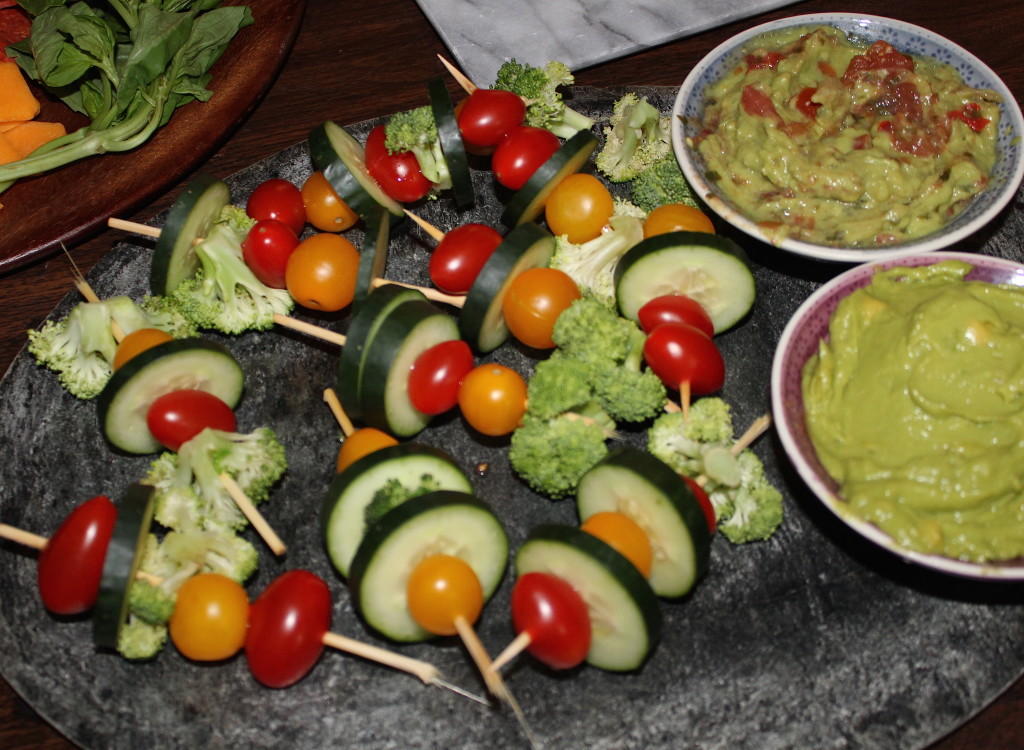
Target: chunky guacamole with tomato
column 822, row 139
column 915, row 406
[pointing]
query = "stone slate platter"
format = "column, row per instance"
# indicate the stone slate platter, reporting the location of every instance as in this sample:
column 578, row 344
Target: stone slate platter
column 807, row 640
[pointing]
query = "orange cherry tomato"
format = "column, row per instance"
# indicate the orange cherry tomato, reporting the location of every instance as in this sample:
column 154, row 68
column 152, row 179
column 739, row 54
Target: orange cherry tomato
column 321, row 272
column 325, row 209
column 137, row 342
column 579, row 207
column 492, row 399
column 440, row 590
column 624, row 535
column 533, row 302
column 211, row 614
column 362, row 442
column 677, row 217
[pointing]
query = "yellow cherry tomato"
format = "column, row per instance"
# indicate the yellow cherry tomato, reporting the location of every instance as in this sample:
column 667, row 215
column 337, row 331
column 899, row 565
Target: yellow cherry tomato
column 325, row 209
column 579, row 207
column 321, row 272
column 441, row 589
column 533, row 302
column 137, row 342
column 211, row 614
column 492, row 399
column 624, row 535
column 362, row 442
column 677, row 217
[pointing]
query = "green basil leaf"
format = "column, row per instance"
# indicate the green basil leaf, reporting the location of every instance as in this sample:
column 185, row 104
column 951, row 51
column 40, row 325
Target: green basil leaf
column 210, row 36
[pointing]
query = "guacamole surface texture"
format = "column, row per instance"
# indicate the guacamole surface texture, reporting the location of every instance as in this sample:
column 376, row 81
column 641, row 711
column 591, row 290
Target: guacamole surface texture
column 915, row 405
column 819, row 138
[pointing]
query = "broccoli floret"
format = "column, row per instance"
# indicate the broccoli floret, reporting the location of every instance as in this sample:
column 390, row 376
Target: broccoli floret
column 590, row 331
column 680, row 440
column 629, row 395
column 182, row 554
column 225, row 294
column 150, row 602
column 756, row 507
column 539, row 88
column 80, row 348
column 552, row 455
column 660, row 184
column 416, row 131
column 139, row 640
column 189, row 491
column 558, row 385
column 637, row 136
column 592, row 264
column 394, row 493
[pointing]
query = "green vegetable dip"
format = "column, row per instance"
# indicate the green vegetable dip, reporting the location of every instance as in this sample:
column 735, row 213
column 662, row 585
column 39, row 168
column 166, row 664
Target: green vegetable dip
column 915, row 405
column 829, row 141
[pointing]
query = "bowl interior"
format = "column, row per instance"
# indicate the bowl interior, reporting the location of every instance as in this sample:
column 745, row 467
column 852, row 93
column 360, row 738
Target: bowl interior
column 799, row 341
column 1005, row 178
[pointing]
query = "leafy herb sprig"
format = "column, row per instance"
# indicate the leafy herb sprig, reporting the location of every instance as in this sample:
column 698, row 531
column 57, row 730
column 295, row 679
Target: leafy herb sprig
column 124, row 64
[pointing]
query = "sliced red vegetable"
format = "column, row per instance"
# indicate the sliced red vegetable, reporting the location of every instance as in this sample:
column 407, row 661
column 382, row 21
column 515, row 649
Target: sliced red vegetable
column 675, row 308
column 554, row 616
column 520, row 153
column 179, row 416
column 287, row 625
column 459, row 256
column 486, row 116
column 398, row 174
column 705, row 503
column 71, row 563
column 266, row 250
column 278, row 199
column 436, row 376
column 679, row 353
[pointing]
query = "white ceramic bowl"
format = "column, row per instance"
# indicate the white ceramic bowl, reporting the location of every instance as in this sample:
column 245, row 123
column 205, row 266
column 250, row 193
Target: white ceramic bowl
column 905, row 37
column 799, row 341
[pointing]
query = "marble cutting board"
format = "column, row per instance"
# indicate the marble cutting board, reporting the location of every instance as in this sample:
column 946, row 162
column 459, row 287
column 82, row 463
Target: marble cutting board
column 482, row 34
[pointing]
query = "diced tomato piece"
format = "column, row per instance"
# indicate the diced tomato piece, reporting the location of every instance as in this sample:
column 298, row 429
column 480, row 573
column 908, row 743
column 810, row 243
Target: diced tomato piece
column 758, row 104
column 879, row 56
column 769, row 60
column 804, row 103
column 970, row 114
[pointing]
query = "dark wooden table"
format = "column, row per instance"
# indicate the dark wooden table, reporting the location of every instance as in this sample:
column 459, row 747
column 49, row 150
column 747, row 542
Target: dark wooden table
column 355, row 60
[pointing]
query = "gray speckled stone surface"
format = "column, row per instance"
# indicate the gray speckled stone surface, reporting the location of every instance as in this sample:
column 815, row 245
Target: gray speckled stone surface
column 808, row 640
column 482, row 34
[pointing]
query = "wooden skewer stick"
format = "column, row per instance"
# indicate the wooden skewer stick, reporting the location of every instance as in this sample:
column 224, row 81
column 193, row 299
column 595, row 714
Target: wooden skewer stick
column 467, row 85
column 519, row 644
column 310, row 329
column 255, row 517
column 436, row 234
column 133, row 226
column 455, row 300
column 339, row 413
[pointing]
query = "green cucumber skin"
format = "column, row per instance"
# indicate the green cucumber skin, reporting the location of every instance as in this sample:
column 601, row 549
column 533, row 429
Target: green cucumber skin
column 342, row 504
column 134, row 518
column 383, row 389
column 634, row 286
column 362, row 329
column 528, row 202
column 666, row 493
column 485, row 549
column 373, row 255
column 565, row 551
column 174, row 260
column 480, row 321
column 452, row 147
column 147, row 364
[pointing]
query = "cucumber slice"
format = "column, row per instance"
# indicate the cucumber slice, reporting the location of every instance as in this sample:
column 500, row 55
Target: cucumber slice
column 362, row 329
column 641, row 486
column 481, row 321
column 625, row 614
column 406, row 332
column 189, row 219
column 134, row 517
column 528, row 202
column 450, row 139
column 173, row 366
column 444, row 522
column 342, row 159
column 711, row 269
column 373, row 255
column 344, row 508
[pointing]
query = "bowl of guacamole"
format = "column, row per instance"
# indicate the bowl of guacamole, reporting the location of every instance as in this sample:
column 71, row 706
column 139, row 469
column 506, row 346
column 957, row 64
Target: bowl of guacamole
column 898, row 394
column 849, row 138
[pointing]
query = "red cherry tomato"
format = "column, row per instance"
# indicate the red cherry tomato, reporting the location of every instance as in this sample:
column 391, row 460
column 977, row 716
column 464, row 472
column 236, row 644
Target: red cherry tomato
column 398, row 174
column 179, row 416
column 266, row 250
column 436, row 376
column 287, row 625
column 487, row 115
column 680, row 353
column 460, row 255
column 278, row 199
column 71, row 563
column 675, row 308
column 518, row 155
column 705, row 503
column 556, row 618
column 533, row 302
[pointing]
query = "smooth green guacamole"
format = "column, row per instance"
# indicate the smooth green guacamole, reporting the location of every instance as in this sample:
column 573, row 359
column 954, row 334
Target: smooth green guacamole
column 915, row 405
column 819, row 138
